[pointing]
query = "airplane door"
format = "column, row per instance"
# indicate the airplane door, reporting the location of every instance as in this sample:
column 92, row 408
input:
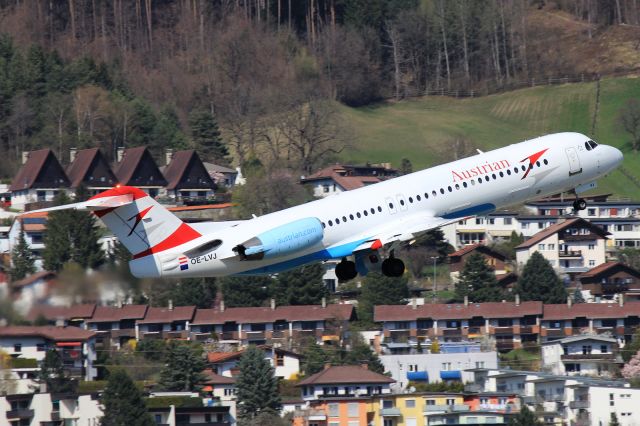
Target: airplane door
column 401, row 202
column 574, row 161
column 391, row 205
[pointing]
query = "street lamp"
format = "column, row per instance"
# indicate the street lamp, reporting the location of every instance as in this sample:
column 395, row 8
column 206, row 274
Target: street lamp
column 435, row 258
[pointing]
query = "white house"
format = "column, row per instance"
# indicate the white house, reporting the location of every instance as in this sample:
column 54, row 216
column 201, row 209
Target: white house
column 285, row 363
column 344, row 381
column 587, row 355
column 45, row 408
column 339, row 178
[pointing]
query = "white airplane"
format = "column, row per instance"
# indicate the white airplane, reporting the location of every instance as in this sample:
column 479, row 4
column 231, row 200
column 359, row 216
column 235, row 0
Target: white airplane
column 355, row 226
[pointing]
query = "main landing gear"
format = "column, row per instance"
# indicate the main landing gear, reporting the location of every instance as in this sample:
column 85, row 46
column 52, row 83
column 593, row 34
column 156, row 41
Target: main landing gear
column 346, row 270
column 579, row 204
column 391, row 267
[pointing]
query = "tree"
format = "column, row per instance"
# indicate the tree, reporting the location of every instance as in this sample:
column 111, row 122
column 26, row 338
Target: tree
column 359, row 352
column 123, row 402
column 577, row 296
column 631, row 369
column 206, row 136
column 378, row 289
column 22, row 261
column 539, row 281
column 257, row 385
column 200, row 292
column 525, row 417
column 478, row 281
column 629, row 118
column 300, row 286
column 314, row 359
column 406, row 167
column 614, row 420
column 183, row 367
column 435, row 347
column 631, row 348
column 245, row 291
column 52, row 374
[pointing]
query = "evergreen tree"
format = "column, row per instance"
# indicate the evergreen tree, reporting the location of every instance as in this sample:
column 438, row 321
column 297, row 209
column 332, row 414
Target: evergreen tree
column 245, row 291
column 525, row 417
column 378, row 289
column 257, row 386
column 314, row 359
column 631, row 348
column 577, row 296
column 206, row 136
column 300, row 286
column 361, row 353
column 53, row 375
column 183, row 367
column 22, row 260
column 614, row 420
column 167, row 132
column 200, row 292
column 539, row 281
column 123, row 402
column 478, row 281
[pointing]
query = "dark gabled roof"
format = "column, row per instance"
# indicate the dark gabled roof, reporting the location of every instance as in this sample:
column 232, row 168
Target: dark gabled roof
column 53, row 313
column 267, row 315
column 211, row 378
column 114, row 313
column 591, row 310
column 47, row 332
column 345, row 374
column 32, row 171
column 337, row 173
column 180, row 163
column 85, row 161
column 442, row 311
column 157, row 315
column 557, row 227
column 131, row 160
column 609, row 266
column 480, row 247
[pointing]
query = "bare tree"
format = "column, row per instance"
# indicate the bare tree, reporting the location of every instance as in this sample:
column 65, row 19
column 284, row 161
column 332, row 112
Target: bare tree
column 629, row 118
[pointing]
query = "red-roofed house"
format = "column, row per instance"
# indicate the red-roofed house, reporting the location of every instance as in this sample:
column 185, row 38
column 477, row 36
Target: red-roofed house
column 165, row 323
column 572, row 246
column 458, row 259
column 222, row 389
column 611, row 279
column 339, row 178
column 75, row 315
column 116, row 325
column 187, row 178
column 136, row 167
column 285, row 363
column 90, row 168
column 272, row 325
column 39, row 179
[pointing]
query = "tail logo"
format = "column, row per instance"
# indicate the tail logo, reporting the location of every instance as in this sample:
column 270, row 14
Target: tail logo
column 184, row 262
column 138, row 217
column 532, row 160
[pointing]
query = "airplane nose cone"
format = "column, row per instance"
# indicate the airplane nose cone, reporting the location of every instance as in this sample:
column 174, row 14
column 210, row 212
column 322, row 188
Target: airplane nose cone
column 617, row 156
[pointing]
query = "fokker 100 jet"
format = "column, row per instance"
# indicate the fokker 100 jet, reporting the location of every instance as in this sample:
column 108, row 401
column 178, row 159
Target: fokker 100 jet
column 363, row 227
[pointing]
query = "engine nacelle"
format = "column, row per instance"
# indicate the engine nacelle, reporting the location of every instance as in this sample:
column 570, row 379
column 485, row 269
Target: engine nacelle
column 283, row 240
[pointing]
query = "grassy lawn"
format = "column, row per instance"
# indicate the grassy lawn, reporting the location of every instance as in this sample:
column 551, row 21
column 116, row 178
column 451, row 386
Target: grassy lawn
column 422, row 129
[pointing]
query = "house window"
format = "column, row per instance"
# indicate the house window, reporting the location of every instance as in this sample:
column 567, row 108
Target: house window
column 353, row 409
column 592, row 263
column 387, row 403
column 551, row 246
column 453, row 324
column 604, row 349
column 505, row 322
column 410, row 403
column 591, row 212
column 17, row 347
column 507, row 221
column 479, row 221
column 279, row 360
column 431, row 402
column 586, row 349
column 479, row 364
column 451, row 401
column 446, row 366
column 413, row 367
column 484, row 401
column 592, row 246
column 524, row 225
column 334, row 410
column 540, row 246
column 555, row 324
column 40, row 347
column 308, row 325
column 325, row 188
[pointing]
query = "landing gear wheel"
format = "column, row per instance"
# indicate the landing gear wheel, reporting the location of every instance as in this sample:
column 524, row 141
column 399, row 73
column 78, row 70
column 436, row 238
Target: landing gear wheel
column 346, row 270
column 393, row 267
column 579, row 204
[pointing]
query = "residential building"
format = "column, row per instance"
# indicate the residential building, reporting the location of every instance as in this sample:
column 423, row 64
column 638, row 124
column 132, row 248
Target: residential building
column 572, row 246
column 433, row 368
column 339, row 178
column 188, row 180
column 494, row 227
column 221, row 175
column 74, row 315
column 136, row 167
column 286, row 364
column 165, row 323
column 221, row 389
column 609, row 280
column 34, row 226
column 31, row 290
column 90, row 168
column 458, row 259
column 75, row 346
column 115, row 325
column 49, row 409
column 274, row 325
column 587, row 355
column 217, row 415
column 38, row 181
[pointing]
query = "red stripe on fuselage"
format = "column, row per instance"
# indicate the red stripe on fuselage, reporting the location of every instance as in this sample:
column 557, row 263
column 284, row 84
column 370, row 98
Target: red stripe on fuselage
column 182, row 235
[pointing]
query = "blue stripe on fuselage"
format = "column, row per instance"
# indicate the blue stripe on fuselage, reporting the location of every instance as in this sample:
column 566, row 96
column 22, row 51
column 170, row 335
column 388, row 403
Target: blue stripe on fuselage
column 471, row 211
column 326, row 254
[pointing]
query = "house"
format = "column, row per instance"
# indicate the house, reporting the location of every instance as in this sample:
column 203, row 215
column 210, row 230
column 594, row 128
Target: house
column 165, row 323
column 220, row 388
column 589, row 355
column 136, row 167
column 31, row 290
column 74, row 315
column 75, row 346
column 572, row 246
column 209, row 415
column 39, row 179
column 339, row 178
column 187, row 178
column 492, row 228
column 436, row 367
column 511, row 324
column 222, row 176
column 273, row 325
column 49, row 409
column 610, row 279
column 493, row 259
column 90, row 168
column 34, row 226
column 285, row 363
column 115, row 325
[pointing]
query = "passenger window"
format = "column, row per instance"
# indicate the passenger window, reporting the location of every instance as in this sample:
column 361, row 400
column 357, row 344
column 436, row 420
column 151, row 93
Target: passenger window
column 410, row 200
column 501, row 174
column 486, row 179
column 586, row 145
column 457, row 186
column 379, row 209
column 545, row 161
column 449, row 188
column 479, row 180
column 523, row 168
column 351, row 216
column 509, row 172
column 418, row 197
column 516, row 170
column 344, row 218
column 402, row 202
column 494, row 176
column 323, row 225
column 473, row 182
column 330, row 223
column 337, row 221
column 359, row 215
column 538, row 163
column 434, row 193
column 464, row 184
column 366, row 213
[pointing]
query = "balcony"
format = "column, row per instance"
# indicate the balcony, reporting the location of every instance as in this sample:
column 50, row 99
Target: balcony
column 555, row 332
column 529, row 329
column 124, row 332
column 304, row 333
column 442, row 408
column 399, row 336
column 570, row 254
column 182, row 334
column 502, row 330
column 255, row 335
column 229, row 335
column 576, row 405
column 19, row 414
column 587, row 357
column 476, row 330
column 279, row 334
column 451, row 332
column 504, row 345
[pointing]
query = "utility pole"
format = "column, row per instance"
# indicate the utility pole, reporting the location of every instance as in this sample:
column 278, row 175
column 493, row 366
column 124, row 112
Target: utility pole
column 435, row 259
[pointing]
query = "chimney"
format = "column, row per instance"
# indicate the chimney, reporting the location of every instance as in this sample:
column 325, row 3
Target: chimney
column 170, row 305
column 517, row 300
column 221, row 305
column 72, row 154
column 569, row 302
column 621, row 300
column 25, row 156
column 119, row 154
column 324, row 302
column 273, row 304
column 168, row 156
column 414, row 303
column 364, row 365
column 327, row 365
column 466, row 301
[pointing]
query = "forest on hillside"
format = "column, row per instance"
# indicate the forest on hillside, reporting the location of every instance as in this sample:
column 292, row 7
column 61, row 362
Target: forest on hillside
column 246, row 79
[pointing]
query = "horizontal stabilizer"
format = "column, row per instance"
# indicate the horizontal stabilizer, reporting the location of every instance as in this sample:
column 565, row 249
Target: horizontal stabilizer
column 94, row 204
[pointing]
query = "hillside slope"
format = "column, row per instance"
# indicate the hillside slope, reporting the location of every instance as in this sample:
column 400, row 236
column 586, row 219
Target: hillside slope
column 425, row 130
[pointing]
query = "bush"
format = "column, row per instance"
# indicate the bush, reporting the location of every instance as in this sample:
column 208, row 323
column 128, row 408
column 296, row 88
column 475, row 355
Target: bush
column 437, row 387
column 95, row 386
column 178, row 401
column 24, row 363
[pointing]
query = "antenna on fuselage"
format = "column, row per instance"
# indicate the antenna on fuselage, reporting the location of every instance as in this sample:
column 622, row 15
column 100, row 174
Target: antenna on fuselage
column 479, row 152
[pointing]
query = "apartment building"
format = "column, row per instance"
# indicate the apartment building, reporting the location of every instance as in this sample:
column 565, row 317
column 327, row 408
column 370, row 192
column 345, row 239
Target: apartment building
column 48, row 409
column 587, row 355
column 610, row 279
column 115, row 325
column 165, row 323
column 62, row 316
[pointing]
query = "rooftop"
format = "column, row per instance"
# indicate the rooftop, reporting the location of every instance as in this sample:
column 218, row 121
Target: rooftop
column 48, row 332
column 267, row 315
column 114, row 313
column 456, row 311
column 345, row 374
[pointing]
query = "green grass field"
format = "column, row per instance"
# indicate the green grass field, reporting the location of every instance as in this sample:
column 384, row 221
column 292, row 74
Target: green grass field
column 424, row 129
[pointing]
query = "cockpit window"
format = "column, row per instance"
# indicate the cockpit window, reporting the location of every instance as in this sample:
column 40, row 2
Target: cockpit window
column 590, row 145
column 593, row 144
column 586, row 145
